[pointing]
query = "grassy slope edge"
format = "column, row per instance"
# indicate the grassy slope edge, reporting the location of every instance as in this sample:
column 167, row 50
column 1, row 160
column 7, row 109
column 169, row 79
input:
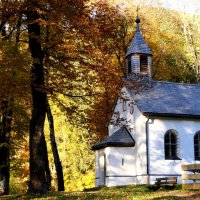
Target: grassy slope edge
column 118, row 193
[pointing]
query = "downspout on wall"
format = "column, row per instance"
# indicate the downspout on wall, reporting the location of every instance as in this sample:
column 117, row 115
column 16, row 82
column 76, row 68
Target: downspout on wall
column 149, row 121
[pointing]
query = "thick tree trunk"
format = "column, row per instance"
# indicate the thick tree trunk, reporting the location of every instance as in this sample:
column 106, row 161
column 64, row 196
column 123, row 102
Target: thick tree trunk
column 39, row 167
column 58, row 165
column 5, row 129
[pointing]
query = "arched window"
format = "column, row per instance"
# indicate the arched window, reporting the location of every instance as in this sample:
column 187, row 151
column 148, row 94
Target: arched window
column 171, row 145
column 197, row 146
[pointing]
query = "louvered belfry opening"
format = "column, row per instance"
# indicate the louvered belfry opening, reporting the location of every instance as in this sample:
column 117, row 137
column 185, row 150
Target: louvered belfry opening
column 143, row 63
column 129, row 66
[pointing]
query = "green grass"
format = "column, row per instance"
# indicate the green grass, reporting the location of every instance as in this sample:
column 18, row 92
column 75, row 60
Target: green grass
column 118, row 193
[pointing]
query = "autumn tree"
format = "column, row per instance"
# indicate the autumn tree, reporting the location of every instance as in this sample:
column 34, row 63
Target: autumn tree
column 10, row 85
column 36, row 13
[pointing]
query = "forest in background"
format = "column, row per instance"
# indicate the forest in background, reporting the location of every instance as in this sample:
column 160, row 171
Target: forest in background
column 81, row 51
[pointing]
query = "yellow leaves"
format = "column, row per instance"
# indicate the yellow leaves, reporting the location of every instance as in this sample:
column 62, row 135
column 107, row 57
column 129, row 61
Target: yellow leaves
column 74, row 151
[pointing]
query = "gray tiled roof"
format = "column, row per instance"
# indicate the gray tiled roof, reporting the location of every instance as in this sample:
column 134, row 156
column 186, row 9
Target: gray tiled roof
column 138, row 44
column 168, row 99
column 121, row 138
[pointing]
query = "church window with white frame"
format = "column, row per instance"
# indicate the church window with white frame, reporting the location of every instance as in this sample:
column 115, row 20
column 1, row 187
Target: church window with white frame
column 171, row 145
column 197, row 146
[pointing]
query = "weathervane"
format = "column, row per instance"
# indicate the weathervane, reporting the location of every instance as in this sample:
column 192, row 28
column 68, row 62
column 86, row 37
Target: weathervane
column 137, row 19
column 137, row 11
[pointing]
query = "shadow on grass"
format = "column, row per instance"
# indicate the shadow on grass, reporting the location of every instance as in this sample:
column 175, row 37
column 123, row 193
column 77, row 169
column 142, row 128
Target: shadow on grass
column 167, row 198
column 163, row 188
column 186, row 197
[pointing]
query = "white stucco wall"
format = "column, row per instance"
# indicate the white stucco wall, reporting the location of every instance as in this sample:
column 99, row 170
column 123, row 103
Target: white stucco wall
column 120, row 161
column 120, row 165
column 186, row 129
column 136, row 123
column 99, row 168
column 140, row 141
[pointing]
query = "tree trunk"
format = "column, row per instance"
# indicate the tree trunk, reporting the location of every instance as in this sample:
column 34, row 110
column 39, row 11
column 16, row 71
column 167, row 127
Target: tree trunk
column 47, row 170
column 58, row 165
column 5, row 129
column 39, row 166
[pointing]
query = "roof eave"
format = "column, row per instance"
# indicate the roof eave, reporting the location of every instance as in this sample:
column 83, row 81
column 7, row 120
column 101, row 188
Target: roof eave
column 131, row 53
column 152, row 114
column 112, row 144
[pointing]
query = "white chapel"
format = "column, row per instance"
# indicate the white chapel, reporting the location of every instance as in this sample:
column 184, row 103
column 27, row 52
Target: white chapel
column 154, row 128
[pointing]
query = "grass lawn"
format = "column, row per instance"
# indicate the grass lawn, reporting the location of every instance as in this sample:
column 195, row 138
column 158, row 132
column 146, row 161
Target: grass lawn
column 117, row 193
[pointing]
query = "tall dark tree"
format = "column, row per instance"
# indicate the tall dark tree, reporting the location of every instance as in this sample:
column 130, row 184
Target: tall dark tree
column 39, row 167
column 5, row 128
column 57, row 162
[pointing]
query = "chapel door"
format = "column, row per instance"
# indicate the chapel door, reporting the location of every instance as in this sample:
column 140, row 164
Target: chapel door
column 102, row 168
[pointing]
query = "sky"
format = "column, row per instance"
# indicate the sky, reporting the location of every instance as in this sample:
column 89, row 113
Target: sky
column 190, row 6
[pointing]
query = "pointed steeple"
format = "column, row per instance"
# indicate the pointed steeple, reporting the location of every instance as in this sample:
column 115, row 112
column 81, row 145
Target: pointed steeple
column 138, row 44
column 139, row 58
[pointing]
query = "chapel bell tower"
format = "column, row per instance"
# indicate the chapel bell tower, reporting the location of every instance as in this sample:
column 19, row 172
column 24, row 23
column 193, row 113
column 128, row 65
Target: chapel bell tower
column 139, row 57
